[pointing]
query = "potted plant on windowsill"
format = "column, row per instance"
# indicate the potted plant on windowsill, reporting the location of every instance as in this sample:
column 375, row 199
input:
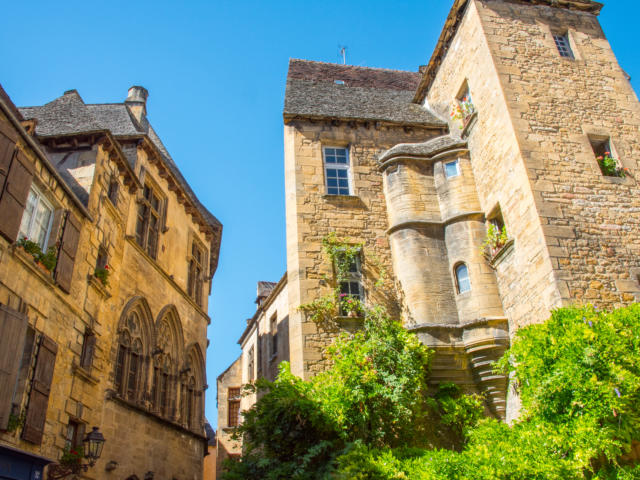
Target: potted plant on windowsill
column 102, row 274
column 71, row 457
column 463, row 110
column 351, row 307
column 495, row 241
column 46, row 261
column 609, row 166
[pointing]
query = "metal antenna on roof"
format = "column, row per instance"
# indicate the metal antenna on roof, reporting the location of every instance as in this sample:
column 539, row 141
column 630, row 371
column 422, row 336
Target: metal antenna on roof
column 343, row 52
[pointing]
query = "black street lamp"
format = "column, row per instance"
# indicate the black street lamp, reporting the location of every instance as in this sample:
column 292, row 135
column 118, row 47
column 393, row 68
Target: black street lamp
column 93, row 443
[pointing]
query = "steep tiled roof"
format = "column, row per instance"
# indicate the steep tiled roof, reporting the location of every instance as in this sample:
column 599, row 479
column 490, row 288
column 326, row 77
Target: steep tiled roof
column 367, row 94
column 426, row 149
column 69, row 114
column 10, row 105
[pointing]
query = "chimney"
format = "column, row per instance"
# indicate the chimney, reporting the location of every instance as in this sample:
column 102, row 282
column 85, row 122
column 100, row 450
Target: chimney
column 137, row 102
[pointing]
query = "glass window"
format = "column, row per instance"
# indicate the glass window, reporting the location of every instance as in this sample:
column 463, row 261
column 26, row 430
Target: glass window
column 37, row 219
column 148, row 223
column 352, row 286
column 564, row 48
column 463, row 284
column 452, row 169
column 195, row 278
column 234, row 407
column 336, row 168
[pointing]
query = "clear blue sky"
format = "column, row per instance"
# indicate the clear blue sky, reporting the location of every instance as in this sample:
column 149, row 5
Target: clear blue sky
column 216, row 74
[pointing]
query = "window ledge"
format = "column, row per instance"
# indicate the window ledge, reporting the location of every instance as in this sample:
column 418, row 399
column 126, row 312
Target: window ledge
column 31, row 263
column 626, row 180
column 96, row 283
column 113, row 396
column 468, row 124
column 328, row 196
column 501, row 255
column 84, row 374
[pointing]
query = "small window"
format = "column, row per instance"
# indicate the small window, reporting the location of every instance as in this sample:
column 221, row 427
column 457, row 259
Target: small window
column 606, row 157
column 234, row 407
column 274, row 335
column 148, row 222
column 195, row 278
column 37, row 219
column 463, row 108
column 336, row 169
column 463, row 284
column 75, row 435
column 114, row 187
column 452, row 169
column 564, row 48
column 88, row 349
column 251, row 364
column 351, row 288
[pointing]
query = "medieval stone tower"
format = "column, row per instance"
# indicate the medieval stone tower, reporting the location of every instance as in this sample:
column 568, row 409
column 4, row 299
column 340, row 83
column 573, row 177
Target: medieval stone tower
column 498, row 183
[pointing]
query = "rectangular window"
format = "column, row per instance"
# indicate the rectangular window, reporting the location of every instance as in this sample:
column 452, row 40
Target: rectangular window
column 351, row 287
column 251, row 364
column 37, row 219
column 274, row 336
column 88, row 349
column 464, row 107
column 607, row 161
column 452, row 169
column 196, row 269
column 234, row 407
column 75, row 435
column 564, row 48
column 336, row 169
column 114, row 186
column 148, row 223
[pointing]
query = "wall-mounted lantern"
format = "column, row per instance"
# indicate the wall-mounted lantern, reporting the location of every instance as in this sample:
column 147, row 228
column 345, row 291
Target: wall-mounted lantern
column 92, row 443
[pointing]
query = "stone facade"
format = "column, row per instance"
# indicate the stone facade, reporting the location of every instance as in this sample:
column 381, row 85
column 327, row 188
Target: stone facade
column 131, row 350
column 226, row 446
column 425, row 186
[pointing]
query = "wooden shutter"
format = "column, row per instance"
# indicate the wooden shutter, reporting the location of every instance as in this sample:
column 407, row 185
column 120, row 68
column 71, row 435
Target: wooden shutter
column 40, row 389
column 14, row 195
column 8, row 140
column 13, row 326
column 67, row 252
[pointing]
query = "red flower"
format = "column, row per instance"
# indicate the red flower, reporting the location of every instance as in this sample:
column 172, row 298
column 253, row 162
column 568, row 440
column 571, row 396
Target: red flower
column 600, row 157
column 106, row 267
column 73, row 452
column 607, row 153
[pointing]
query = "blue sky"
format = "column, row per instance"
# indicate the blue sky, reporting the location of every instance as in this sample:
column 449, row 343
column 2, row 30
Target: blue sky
column 216, row 71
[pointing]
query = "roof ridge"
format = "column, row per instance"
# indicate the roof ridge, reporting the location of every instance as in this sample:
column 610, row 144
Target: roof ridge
column 353, row 66
column 327, row 82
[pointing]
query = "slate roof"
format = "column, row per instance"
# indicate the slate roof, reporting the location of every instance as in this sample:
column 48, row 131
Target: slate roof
column 426, row 149
column 367, row 94
column 265, row 288
column 69, row 114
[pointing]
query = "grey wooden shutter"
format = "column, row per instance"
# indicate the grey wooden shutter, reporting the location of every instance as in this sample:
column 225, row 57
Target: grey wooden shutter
column 13, row 326
column 67, row 252
column 14, row 195
column 40, row 389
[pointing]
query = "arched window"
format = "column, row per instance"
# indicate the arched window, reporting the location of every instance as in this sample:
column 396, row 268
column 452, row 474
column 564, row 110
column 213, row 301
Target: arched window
column 192, row 381
column 463, row 284
column 168, row 348
column 162, row 385
column 132, row 354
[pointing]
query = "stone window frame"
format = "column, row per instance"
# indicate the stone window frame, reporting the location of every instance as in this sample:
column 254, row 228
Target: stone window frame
column 569, row 35
column 563, row 45
column 273, row 327
column 355, row 277
column 339, row 167
column 196, row 270
column 234, row 395
column 457, row 278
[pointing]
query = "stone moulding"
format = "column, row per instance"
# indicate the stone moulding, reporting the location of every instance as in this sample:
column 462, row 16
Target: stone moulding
column 417, row 224
column 473, row 346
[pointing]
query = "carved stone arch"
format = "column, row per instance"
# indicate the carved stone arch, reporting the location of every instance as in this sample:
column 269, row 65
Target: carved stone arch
column 139, row 306
column 195, row 360
column 169, row 318
column 193, row 383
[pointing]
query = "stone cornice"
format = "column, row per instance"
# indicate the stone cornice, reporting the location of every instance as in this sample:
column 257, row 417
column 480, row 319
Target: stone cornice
column 453, row 22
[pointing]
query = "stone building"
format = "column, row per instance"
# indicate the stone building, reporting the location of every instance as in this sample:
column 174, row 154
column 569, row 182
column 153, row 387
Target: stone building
column 264, row 344
column 109, row 328
column 497, row 183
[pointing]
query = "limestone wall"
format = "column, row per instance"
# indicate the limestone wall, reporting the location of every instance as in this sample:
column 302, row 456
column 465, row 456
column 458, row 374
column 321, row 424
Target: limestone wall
column 589, row 221
column 312, row 215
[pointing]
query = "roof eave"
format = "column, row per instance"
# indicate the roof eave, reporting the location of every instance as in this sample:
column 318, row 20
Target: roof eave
column 290, row 117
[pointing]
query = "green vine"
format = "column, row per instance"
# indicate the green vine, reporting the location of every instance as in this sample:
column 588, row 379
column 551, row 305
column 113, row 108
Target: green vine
column 16, row 421
column 496, row 239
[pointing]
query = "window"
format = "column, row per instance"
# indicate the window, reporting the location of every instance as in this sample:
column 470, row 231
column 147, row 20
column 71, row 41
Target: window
column 148, row 223
column 129, row 359
column 75, row 435
column 234, row 407
column 463, row 107
column 251, row 364
column 336, row 169
column 112, row 193
column 606, row 157
column 463, row 284
column 564, row 48
column 196, row 269
column 452, row 169
column 88, row 349
column 351, row 287
column 37, row 219
column 161, row 384
column 274, row 335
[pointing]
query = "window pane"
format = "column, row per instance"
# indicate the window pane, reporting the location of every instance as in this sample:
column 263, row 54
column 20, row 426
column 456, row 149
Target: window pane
column 32, row 201
column 342, row 173
column 451, row 169
column 462, row 277
column 332, row 191
column 332, row 182
column 40, row 226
